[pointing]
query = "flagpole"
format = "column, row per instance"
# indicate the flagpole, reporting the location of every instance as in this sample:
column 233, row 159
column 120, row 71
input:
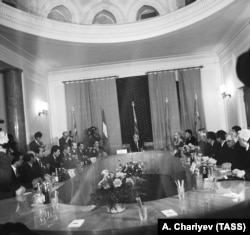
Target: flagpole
column 167, row 125
column 197, row 121
column 73, row 123
column 105, row 138
column 136, row 130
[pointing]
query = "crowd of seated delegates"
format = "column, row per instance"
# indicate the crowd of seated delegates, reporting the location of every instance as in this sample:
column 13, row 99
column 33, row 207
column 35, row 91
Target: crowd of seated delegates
column 20, row 172
column 224, row 147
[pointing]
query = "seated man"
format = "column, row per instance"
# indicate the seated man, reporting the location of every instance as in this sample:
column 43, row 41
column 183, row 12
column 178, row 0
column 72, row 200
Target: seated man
column 213, row 147
column 244, row 170
column 136, row 145
column 82, row 154
column 225, row 153
column 189, row 138
column 53, row 161
column 68, row 161
column 99, row 149
column 65, row 139
column 10, row 186
column 27, row 173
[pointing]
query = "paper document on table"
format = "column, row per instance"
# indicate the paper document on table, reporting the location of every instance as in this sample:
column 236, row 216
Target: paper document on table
column 71, row 173
column 76, row 223
column 233, row 195
column 169, row 213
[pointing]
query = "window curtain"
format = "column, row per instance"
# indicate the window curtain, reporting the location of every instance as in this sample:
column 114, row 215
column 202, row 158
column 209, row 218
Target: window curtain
column 162, row 85
column 88, row 98
column 189, row 86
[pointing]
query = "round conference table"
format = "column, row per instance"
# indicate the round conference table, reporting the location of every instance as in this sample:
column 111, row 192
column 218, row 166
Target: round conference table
column 227, row 199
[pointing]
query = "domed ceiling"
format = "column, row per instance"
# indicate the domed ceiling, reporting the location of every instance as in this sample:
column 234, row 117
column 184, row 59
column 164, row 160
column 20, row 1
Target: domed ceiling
column 206, row 35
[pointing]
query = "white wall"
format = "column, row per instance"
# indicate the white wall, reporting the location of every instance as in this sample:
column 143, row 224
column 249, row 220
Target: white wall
column 35, row 89
column 211, row 78
column 2, row 104
column 235, row 107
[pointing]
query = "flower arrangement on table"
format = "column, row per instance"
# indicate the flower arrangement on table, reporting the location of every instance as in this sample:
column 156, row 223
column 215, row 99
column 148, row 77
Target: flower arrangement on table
column 119, row 188
column 189, row 150
column 132, row 168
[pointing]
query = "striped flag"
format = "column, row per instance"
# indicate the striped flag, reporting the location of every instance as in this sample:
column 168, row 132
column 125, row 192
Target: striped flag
column 105, row 137
column 74, row 129
column 197, row 119
column 167, row 125
column 136, row 130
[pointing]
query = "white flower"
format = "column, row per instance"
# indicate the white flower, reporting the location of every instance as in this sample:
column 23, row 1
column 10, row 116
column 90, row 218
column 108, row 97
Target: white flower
column 105, row 173
column 103, row 184
column 120, row 175
column 130, row 181
column 117, row 183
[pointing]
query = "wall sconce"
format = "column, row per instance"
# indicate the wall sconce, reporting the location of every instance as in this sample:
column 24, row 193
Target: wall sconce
column 43, row 108
column 224, row 92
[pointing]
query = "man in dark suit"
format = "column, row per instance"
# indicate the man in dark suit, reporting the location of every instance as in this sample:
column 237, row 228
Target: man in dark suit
column 9, row 182
column 225, row 153
column 136, row 145
column 189, row 138
column 37, row 145
column 244, row 160
column 53, row 161
column 27, row 174
column 213, row 146
column 65, row 139
column 38, row 165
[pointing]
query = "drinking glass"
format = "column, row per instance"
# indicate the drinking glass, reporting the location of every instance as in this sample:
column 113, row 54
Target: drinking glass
column 143, row 213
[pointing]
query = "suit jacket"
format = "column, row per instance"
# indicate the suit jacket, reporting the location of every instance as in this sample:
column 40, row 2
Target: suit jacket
column 81, row 154
column 224, row 155
column 53, row 163
column 8, row 181
column 35, row 146
column 192, row 141
column 38, row 169
column 213, row 150
column 27, row 175
column 240, row 157
column 135, row 148
column 62, row 142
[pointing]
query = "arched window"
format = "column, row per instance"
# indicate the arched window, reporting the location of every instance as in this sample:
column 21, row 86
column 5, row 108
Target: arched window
column 146, row 12
column 60, row 13
column 104, row 17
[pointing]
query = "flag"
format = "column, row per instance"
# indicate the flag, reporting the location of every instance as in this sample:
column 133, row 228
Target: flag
column 197, row 119
column 136, row 130
column 105, row 137
column 74, row 129
column 167, row 125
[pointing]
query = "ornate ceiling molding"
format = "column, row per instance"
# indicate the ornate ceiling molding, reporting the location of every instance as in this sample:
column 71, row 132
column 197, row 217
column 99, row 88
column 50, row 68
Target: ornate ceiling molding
column 154, row 27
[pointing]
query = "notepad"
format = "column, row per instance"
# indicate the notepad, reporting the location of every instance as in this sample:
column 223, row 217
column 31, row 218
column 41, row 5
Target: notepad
column 169, row 213
column 76, row 223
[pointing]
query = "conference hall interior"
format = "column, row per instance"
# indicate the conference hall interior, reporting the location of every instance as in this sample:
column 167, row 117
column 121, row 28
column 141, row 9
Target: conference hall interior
column 145, row 93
